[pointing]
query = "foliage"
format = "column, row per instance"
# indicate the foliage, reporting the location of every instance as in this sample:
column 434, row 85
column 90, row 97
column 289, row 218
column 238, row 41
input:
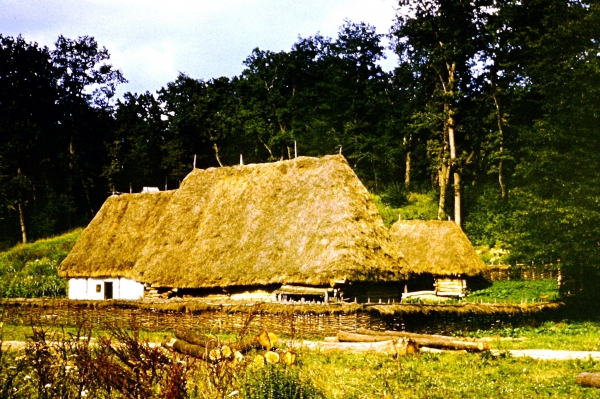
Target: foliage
column 51, row 134
column 64, row 365
column 417, row 206
column 30, row 270
column 516, row 291
column 496, row 102
column 277, row 381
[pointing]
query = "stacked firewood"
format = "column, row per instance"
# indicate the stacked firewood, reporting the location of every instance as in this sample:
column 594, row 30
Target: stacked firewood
column 211, row 349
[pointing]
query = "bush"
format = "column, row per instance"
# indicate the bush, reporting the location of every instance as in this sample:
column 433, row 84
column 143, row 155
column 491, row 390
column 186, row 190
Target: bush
column 417, row 206
column 63, row 365
column 277, row 381
column 395, row 195
column 31, row 270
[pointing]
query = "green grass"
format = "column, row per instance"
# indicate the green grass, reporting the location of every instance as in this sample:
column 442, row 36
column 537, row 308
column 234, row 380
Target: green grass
column 420, row 206
column 445, row 375
column 516, row 291
column 426, row 375
column 11, row 332
column 576, row 336
column 30, row 270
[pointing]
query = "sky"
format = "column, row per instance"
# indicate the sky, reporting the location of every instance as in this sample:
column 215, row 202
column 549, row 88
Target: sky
column 152, row 41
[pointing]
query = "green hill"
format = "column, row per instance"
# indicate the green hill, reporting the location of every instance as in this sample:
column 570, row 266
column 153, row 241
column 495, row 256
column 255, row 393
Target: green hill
column 30, row 270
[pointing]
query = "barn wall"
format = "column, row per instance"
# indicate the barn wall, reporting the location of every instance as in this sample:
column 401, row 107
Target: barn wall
column 130, row 289
column 78, row 288
column 94, row 288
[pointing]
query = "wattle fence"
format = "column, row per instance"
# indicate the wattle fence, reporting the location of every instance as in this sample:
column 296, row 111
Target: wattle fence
column 302, row 320
column 522, row 272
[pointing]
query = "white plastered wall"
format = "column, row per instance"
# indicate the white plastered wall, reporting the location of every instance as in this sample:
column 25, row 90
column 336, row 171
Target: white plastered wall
column 94, row 288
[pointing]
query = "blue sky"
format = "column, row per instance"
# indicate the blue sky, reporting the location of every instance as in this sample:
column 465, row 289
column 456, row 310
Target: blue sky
column 152, row 41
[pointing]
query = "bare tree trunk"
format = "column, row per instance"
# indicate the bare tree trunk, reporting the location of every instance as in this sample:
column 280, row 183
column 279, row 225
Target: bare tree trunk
column 456, row 174
column 452, row 143
column 500, row 164
column 269, row 149
column 217, row 154
column 407, row 174
column 457, row 199
column 21, row 212
column 443, row 177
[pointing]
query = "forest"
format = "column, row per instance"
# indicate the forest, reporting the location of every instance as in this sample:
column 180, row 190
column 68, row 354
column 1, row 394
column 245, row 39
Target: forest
column 493, row 110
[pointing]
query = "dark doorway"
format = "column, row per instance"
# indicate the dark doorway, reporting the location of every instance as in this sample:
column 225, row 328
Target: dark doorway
column 108, row 290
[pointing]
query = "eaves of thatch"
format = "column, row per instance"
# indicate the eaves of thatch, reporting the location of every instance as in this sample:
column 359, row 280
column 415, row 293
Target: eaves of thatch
column 112, row 243
column 437, row 247
column 303, row 221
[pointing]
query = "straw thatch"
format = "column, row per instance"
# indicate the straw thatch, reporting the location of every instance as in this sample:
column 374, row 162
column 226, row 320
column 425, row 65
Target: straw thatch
column 437, row 247
column 304, row 221
column 112, row 243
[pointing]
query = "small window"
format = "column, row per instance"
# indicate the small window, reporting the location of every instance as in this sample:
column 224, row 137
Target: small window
column 98, row 287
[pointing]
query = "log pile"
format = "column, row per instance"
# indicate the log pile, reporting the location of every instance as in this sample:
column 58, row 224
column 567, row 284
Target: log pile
column 211, row 349
column 420, row 340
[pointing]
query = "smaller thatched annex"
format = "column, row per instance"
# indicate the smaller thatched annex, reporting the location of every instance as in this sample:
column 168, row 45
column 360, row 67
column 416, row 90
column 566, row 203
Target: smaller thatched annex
column 100, row 264
column 302, row 228
column 439, row 255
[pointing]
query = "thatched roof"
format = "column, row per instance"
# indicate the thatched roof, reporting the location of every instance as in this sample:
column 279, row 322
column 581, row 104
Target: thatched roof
column 111, row 244
column 436, row 247
column 303, row 221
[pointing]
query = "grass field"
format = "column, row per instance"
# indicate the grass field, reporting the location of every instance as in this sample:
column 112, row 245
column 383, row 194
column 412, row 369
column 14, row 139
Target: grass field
column 446, row 376
column 426, row 375
column 516, row 291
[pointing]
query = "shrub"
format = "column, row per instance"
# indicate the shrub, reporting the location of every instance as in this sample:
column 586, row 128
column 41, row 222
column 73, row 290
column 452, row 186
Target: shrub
column 31, row 270
column 277, row 381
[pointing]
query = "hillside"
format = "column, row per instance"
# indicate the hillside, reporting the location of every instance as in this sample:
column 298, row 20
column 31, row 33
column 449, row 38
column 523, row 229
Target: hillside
column 30, row 270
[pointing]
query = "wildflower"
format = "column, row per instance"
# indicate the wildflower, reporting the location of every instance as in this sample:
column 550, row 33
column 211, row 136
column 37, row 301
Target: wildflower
column 237, row 358
column 272, row 357
column 259, row 361
column 214, row 355
column 226, row 351
column 289, row 358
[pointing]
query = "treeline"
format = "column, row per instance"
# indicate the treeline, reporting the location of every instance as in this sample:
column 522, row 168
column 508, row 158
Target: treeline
column 493, row 105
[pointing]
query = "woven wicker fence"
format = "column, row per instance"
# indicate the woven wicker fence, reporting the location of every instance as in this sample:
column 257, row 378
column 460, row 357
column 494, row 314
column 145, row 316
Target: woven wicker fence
column 521, row 272
column 305, row 321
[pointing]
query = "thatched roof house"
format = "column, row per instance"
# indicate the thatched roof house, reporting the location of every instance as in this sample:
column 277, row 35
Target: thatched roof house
column 439, row 249
column 306, row 221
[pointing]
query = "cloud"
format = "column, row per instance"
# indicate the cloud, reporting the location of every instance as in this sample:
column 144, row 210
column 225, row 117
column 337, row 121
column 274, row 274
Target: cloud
column 152, row 41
